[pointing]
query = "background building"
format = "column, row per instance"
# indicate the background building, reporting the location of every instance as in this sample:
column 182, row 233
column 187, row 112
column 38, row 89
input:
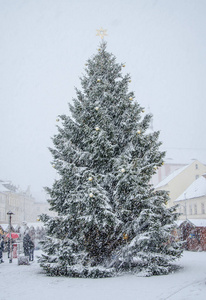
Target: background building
column 21, row 203
column 179, row 180
column 192, row 202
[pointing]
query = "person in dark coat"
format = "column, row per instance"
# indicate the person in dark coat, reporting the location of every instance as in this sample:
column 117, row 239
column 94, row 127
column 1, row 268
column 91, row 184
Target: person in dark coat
column 8, row 246
column 31, row 250
column 26, row 244
column 1, row 249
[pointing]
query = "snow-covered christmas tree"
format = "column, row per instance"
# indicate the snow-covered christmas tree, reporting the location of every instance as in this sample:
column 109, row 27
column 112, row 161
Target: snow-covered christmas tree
column 109, row 218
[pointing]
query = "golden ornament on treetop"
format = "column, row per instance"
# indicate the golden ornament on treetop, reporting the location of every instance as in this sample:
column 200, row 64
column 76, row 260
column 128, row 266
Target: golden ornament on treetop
column 122, row 170
column 98, row 80
column 130, row 98
column 96, row 108
column 138, row 131
column 90, row 178
column 91, row 195
column 97, row 128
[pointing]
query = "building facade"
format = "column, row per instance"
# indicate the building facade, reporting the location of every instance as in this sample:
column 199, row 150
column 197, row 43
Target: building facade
column 192, row 203
column 178, row 181
column 21, row 203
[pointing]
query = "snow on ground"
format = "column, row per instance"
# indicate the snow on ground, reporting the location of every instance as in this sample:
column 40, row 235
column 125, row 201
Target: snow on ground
column 29, row 283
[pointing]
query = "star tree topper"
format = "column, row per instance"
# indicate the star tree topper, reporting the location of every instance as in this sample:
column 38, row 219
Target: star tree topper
column 101, row 32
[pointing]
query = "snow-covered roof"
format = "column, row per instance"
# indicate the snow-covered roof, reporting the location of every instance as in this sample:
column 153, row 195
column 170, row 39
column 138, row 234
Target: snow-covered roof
column 195, row 190
column 196, row 222
column 170, row 177
column 3, row 188
column 35, row 225
column 4, row 226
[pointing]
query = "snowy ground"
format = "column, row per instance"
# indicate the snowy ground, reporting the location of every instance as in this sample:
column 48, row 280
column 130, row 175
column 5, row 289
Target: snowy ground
column 29, row 283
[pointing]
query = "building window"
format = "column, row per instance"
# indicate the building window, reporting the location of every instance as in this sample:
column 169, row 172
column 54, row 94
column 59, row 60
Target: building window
column 195, row 209
column 202, row 208
column 196, row 166
column 190, row 208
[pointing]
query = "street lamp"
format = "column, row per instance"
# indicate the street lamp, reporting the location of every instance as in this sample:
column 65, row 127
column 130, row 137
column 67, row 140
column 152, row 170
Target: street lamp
column 10, row 256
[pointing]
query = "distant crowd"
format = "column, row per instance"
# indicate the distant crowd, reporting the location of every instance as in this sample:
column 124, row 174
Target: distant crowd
column 28, row 246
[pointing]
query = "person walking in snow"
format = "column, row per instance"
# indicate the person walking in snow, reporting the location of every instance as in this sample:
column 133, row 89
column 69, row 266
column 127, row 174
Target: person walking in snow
column 1, row 250
column 31, row 250
column 26, row 244
column 8, row 246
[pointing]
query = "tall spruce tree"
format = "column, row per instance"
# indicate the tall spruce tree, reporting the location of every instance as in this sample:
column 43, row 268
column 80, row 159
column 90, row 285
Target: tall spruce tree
column 109, row 217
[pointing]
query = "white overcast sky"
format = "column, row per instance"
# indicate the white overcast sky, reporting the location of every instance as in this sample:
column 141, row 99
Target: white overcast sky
column 44, row 45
